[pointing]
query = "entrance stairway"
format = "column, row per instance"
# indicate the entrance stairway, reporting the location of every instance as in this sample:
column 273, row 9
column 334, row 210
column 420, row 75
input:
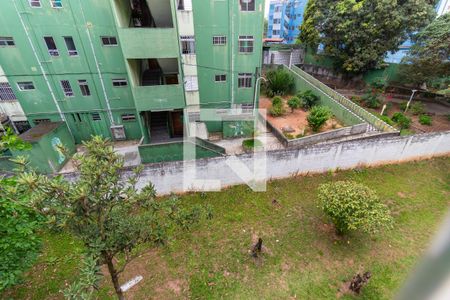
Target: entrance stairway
column 159, row 129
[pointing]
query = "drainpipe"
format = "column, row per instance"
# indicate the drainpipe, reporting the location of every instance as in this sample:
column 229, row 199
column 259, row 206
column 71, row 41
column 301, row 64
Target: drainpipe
column 108, row 106
column 231, row 10
column 41, row 67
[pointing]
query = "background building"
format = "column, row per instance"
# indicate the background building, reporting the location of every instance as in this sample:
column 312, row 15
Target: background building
column 285, row 18
column 128, row 69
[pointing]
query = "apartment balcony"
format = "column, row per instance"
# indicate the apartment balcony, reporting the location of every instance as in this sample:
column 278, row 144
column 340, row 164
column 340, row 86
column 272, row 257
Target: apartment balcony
column 159, row 97
column 154, row 42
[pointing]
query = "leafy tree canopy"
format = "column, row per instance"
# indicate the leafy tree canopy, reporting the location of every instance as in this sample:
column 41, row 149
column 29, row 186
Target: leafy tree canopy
column 429, row 58
column 357, row 34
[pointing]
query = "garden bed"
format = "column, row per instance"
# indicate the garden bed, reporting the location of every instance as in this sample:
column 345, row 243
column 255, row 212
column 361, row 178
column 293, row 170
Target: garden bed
column 295, row 120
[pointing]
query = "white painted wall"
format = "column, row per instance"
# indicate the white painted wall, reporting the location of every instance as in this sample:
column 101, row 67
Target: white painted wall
column 168, row 177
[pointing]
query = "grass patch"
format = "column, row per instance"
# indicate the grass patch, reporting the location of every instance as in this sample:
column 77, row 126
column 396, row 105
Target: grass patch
column 304, row 259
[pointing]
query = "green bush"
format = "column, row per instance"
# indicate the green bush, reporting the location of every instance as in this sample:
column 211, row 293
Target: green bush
column 294, row 103
column 403, row 105
column 387, row 120
column 279, row 82
column 425, row 120
column 318, row 116
column 277, row 101
column 371, row 100
column 353, row 206
column 402, row 121
column 417, row 108
column 308, row 99
column 250, row 144
column 356, row 99
column 277, row 108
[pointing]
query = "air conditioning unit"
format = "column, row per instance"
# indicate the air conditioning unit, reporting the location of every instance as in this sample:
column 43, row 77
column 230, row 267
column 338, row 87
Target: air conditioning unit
column 118, row 132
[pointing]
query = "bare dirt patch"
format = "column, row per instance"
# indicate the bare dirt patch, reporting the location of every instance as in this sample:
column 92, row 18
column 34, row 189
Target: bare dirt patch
column 295, row 120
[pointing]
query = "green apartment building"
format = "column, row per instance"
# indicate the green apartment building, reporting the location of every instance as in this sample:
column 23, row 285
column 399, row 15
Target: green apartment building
column 130, row 69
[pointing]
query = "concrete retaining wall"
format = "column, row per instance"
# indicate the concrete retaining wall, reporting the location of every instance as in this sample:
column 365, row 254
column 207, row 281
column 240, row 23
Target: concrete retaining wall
column 168, row 177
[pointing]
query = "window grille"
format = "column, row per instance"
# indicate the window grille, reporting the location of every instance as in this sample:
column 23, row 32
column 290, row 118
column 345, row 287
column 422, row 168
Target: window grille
column 187, row 44
column 191, row 83
column 25, row 86
column 128, row 117
column 67, row 88
column 119, row 82
column 246, row 43
column 247, row 5
column 84, row 87
column 6, row 92
column 6, row 41
column 245, row 80
column 219, row 40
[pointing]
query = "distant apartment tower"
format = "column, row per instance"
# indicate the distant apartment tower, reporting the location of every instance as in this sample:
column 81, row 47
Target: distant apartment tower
column 130, row 69
column 443, row 7
column 285, row 18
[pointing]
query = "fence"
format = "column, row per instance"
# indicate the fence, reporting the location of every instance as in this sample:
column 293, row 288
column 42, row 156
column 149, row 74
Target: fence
column 356, row 109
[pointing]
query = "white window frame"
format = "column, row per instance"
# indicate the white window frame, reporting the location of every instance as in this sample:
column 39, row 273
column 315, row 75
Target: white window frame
column 82, row 83
column 120, row 82
column 5, row 41
column 34, row 2
column 245, row 5
column 246, row 39
column 71, row 52
column 56, row 3
column 189, row 42
column 219, row 40
column 24, row 86
column 245, row 80
column 191, row 83
column 67, row 88
column 128, row 117
column 222, row 78
column 109, row 41
column 6, row 92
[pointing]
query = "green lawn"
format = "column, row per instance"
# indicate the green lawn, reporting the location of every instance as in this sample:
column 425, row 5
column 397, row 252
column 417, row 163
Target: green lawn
column 304, row 259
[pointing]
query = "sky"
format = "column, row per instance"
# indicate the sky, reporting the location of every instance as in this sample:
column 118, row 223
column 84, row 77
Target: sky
column 266, row 11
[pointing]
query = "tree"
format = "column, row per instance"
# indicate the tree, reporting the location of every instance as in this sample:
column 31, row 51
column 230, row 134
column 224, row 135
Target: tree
column 318, row 116
column 353, row 206
column 106, row 211
column 19, row 242
column 358, row 34
column 428, row 61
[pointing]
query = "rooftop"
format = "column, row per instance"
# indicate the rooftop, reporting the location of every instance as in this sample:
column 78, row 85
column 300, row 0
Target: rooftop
column 37, row 132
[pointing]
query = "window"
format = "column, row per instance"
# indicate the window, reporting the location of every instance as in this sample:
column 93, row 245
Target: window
column 191, row 83
column 119, row 82
column 35, row 3
column 185, row 5
column 247, row 5
column 220, row 78
column 128, row 117
column 245, row 80
column 6, row 92
column 219, row 40
column 84, row 87
column 109, row 41
column 245, row 44
column 39, row 121
column 96, row 116
column 247, row 106
column 51, row 46
column 25, row 86
column 187, row 44
column 70, row 44
column 56, row 3
column 276, row 21
column 6, row 41
column 67, row 88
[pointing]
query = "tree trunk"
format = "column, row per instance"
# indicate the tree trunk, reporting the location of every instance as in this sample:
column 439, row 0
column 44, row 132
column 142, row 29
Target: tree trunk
column 115, row 278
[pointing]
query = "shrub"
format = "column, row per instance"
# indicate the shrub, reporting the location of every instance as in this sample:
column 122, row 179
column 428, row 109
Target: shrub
column 425, row 120
column 403, row 105
column 279, row 82
column 308, row 99
column 318, row 116
column 371, row 100
column 250, row 144
column 353, row 206
column 417, row 108
column 356, row 99
column 402, row 121
column 387, row 120
column 277, row 108
column 294, row 103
